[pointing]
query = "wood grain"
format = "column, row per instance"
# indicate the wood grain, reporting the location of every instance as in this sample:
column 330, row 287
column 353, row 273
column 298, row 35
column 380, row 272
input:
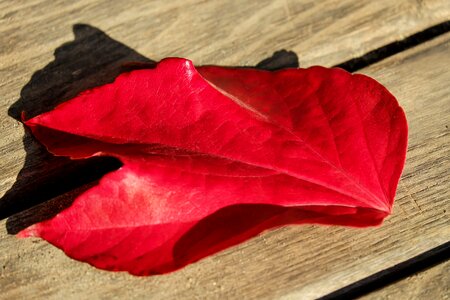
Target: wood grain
column 433, row 283
column 292, row 262
column 209, row 32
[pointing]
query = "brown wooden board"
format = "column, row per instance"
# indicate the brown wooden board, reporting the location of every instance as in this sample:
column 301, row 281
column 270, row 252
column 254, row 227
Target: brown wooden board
column 291, row 262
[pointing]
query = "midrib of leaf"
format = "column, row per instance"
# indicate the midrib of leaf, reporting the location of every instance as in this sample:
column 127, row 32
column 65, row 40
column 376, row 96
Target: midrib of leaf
column 358, row 108
column 261, row 166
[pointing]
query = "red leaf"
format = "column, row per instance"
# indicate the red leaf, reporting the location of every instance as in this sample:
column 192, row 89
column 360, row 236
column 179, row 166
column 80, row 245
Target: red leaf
column 213, row 156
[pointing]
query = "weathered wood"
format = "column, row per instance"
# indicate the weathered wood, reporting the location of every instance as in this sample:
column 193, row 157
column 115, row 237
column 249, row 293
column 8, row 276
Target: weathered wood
column 298, row 261
column 433, row 283
column 209, row 32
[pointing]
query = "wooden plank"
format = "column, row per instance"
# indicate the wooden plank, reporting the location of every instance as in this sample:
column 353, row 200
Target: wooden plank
column 298, row 261
column 433, row 283
column 209, row 32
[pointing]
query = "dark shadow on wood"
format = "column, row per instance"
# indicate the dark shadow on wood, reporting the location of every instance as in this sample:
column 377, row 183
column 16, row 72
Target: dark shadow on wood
column 43, row 211
column 279, row 60
column 391, row 275
column 393, row 48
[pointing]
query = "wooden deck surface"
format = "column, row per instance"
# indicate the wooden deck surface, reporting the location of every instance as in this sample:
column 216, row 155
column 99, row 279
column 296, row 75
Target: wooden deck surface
column 297, row 262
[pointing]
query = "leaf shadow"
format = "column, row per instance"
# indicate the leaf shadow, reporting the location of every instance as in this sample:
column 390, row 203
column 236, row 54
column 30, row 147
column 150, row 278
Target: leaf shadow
column 47, row 184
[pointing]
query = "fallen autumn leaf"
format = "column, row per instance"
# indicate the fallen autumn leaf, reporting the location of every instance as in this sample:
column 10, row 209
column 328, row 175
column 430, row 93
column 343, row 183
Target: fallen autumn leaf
column 213, row 156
